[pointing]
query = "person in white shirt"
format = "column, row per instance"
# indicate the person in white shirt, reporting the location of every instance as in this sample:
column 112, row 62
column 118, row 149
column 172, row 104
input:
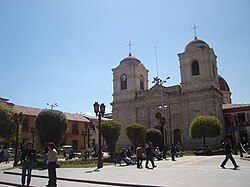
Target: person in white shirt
column 52, row 162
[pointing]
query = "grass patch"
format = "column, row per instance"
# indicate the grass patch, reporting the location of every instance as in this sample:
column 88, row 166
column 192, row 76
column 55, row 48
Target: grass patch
column 78, row 165
column 188, row 153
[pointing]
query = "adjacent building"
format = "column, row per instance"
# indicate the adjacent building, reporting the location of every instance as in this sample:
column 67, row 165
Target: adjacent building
column 81, row 132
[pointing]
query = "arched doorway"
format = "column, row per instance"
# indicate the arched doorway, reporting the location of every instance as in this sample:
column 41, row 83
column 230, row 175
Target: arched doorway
column 177, row 136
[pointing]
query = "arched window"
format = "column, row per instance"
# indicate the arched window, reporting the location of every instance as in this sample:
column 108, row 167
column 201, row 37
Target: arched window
column 177, row 136
column 141, row 82
column 195, row 68
column 123, row 80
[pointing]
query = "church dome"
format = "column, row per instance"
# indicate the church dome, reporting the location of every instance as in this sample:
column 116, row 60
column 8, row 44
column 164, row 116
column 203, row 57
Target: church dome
column 196, row 43
column 130, row 58
column 223, row 84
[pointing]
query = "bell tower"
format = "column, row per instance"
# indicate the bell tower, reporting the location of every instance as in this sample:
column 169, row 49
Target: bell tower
column 128, row 78
column 198, row 66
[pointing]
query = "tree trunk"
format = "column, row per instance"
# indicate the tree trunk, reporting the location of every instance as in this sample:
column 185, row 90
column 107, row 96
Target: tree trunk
column 204, row 141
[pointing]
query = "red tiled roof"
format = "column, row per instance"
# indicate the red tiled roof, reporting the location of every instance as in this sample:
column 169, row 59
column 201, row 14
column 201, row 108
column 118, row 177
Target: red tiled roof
column 94, row 119
column 35, row 111
column 27, row 110
column 3, row 99
column 76, row 117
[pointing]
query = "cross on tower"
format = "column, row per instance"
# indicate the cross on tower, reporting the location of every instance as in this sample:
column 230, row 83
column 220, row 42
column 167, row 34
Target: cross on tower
column 195, row 33
column 129, row 45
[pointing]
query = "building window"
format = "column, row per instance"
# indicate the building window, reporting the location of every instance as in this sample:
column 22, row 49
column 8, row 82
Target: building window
column 228, row 120
column 123, row 80
column 241, row 117
column 75, row 129
column 248, row 117
column 25, row 127
column 141, row 82
column 75, row 144
column 195, row 68
column 177, row 137
column 93, row 143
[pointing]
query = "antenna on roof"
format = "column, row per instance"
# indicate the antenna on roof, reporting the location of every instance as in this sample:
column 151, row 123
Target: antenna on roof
column 156, row 61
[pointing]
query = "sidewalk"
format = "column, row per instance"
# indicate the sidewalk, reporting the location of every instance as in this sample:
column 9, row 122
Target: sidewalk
column 4, row 166
column 186, row 171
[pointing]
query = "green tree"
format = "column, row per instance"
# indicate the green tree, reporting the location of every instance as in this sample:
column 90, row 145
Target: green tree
column 136, row 133
column 154, row 136
column 204, row 126
column 7, row 125
column 50, row 125
column 110, row 130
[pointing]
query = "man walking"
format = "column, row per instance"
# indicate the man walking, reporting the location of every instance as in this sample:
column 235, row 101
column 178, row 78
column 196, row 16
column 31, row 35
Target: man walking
column 228, row 154
column 149, row 155
column 28, row 158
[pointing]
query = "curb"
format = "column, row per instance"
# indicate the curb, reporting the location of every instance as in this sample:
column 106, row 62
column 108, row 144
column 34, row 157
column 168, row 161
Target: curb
column 245, row 158
column 11, row 184
column 87, row 181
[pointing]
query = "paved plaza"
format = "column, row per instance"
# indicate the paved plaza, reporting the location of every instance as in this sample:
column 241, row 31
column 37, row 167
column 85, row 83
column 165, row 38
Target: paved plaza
column 184, row 172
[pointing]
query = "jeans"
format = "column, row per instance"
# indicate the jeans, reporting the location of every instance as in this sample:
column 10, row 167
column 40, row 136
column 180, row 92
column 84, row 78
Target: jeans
column 27, row 165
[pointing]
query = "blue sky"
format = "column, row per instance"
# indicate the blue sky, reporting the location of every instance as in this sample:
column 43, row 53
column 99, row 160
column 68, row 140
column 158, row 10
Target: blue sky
column 63, row 51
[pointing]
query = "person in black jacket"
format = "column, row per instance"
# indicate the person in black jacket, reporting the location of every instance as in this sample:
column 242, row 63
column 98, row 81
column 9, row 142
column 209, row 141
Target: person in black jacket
column 149, row 155
column 28, row 158
column 228, row 154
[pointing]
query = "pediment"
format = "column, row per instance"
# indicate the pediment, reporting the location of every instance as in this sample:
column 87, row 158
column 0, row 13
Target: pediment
column 154, row 91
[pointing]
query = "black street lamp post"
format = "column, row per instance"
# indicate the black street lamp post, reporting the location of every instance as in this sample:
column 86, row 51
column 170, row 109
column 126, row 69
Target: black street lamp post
column 19, row 121
column 162, row 118
column 52, row 106
column 235, row 122
column 99, row 110
column 33, row 134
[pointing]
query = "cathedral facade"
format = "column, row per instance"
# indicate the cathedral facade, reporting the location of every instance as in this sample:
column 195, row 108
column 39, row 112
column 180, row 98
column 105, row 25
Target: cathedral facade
column 198, row 93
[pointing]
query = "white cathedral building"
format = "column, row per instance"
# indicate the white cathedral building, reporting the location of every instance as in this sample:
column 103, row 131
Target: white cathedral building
column 201, row 91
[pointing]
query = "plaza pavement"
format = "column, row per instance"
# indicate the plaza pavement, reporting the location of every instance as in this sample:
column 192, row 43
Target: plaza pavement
column 186, row 171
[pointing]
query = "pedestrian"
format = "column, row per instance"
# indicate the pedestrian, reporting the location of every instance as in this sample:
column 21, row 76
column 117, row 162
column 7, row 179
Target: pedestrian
column 45, row 157
column 1, row 155
column 240, row 148
column 139, row 157
column 158, row 153
column 52, row 164
column 149, row 155
column 228, row 154
column 207, row 150
column 173, row 152
column 6, row 155
column 18, row 155
column 28, row 159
